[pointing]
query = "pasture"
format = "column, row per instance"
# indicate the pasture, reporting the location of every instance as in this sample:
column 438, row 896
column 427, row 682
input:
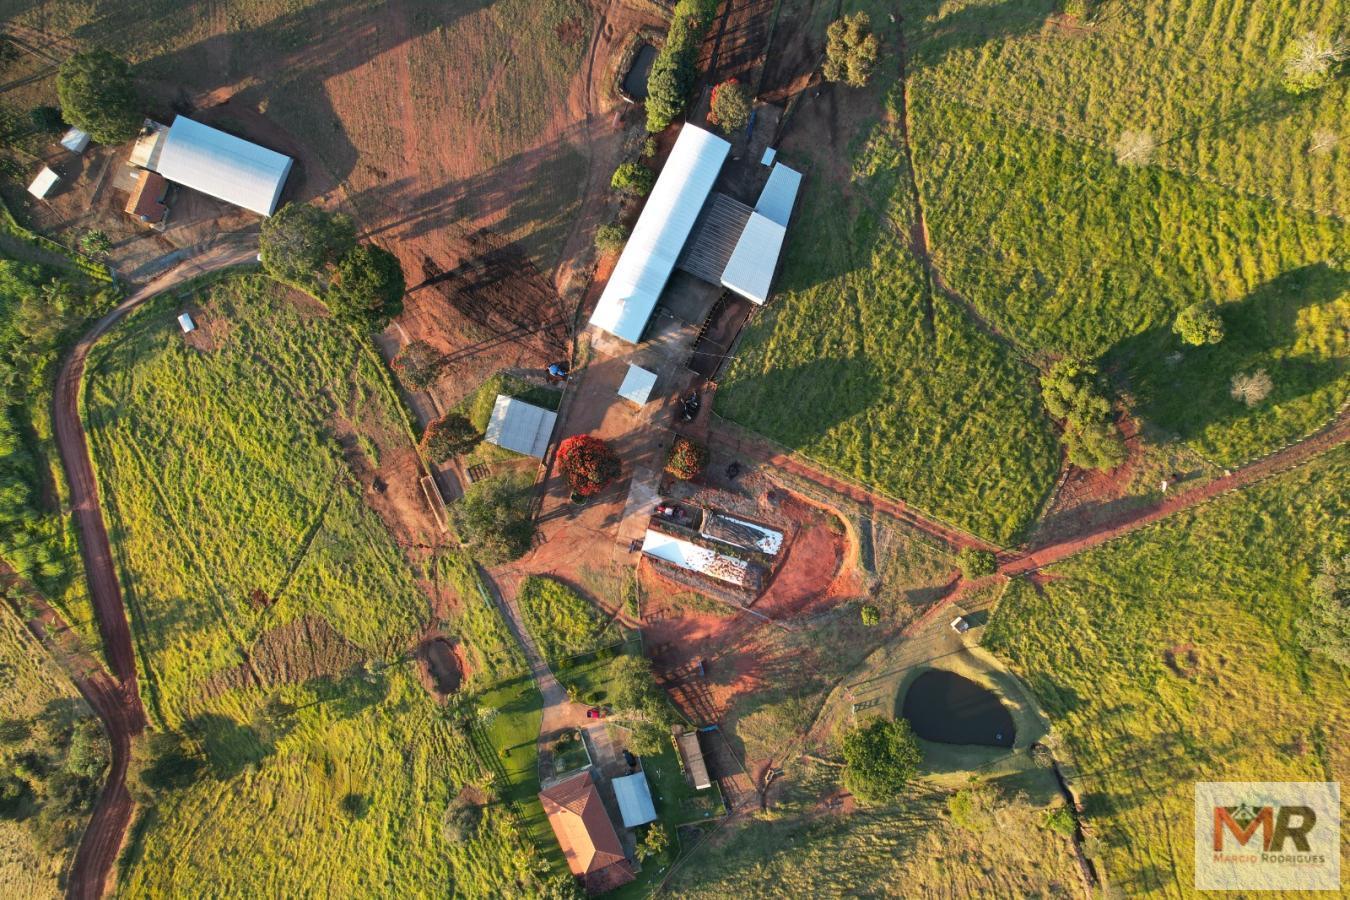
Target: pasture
column 563, row 622
column 1175, row 658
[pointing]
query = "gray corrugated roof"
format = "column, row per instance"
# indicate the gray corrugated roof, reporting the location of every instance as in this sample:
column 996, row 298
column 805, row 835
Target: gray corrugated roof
column 520, row 426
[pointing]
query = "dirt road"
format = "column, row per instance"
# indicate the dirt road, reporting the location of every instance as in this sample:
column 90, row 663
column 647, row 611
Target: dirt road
column 118, row 701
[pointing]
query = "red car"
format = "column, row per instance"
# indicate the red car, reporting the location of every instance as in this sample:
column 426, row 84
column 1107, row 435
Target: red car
column 594, row 713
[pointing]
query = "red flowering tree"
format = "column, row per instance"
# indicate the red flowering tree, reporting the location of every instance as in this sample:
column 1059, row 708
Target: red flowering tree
column 587, row 463
column 686, row 459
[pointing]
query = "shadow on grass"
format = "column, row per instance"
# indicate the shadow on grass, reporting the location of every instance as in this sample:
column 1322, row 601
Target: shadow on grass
column 824, row 393
column 230, row 747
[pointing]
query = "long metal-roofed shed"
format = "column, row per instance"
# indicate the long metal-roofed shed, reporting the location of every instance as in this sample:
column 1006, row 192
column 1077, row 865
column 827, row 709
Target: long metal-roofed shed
column 750, row 270
column 691, row 754
column 223, row 166
column 688, row 555
column 649, row 257
column 635, row 799
column 520, row 426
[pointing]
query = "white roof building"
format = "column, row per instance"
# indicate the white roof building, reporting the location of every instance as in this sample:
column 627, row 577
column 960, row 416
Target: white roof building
column 223, row 166
column 637, row 385
column 520, row 426
column 75, row 140
column 750, row 270
column 686, row 555
column 649, row 257
column 779, row 195
column 44, row 182
column 635, row 799
column 185, row 322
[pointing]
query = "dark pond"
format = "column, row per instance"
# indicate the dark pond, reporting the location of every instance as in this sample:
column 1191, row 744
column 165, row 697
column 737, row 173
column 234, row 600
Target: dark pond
column 635, row 82
column 948, row 709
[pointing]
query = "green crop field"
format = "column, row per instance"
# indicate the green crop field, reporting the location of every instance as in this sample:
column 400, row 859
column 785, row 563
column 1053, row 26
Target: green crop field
column 228, row 466
column 1175, row 657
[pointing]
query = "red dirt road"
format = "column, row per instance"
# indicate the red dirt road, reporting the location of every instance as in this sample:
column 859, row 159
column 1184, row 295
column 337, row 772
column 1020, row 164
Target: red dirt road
column 116, row 700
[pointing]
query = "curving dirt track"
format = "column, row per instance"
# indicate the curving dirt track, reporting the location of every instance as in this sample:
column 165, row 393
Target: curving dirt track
column 116, row 700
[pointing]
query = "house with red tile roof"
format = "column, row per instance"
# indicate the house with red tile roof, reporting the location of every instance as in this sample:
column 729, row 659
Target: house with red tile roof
column 586, row 834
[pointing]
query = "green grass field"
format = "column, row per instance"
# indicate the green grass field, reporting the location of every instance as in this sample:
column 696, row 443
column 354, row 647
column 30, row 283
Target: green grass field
column 563, row 622
column 1173, row 658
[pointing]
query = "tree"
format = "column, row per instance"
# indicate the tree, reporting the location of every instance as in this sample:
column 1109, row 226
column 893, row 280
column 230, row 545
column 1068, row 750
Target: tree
column 46, row 119
column 654, row 842
column 417, row 364
column 1199, row 324
column 880, row 758
column 673, row 70
column 301, row 242
column 633, row 179
column 686, row 459
column 87, row 756
column 1252, row 388
column 870, row 615
column 588, row 464
column 1312, row 61
column 730, row 107
column 493, row 520
column 976, row 563
column 611, row 237
column 97, row 95
column 851, row 50
column 96, row 243
column 367, row 288
column 1070, row 393
column 450, row 435
column 635, row 695
column 15, row 794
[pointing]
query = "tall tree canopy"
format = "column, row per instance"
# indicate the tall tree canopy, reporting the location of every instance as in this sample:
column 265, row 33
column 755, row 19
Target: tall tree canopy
column 368, row 287
column 301, row 242
column 97, row 95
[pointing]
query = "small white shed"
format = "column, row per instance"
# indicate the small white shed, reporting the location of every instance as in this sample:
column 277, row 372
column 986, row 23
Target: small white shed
column 76, row 140
column 185, row 322
column 520, row 426
column 637, row 385
column 43, row 184
column 635, row 799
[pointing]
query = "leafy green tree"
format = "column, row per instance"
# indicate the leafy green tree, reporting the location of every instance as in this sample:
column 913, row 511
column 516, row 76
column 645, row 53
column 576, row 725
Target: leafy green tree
column 730, row 109
column 418, row 364
column 976, row 563
column 881, row 756
column 97, row 94
column 1199, row 324
column 637, row 698
column 15, row 795
column 46, row 119
column 493, row 519
column 654, row 842
column 633, row 179
column 301, row 243
column 686, row 459
column 367, row 288
column 1070, row 393
column 450, row 435
column 1060, row 821
column 870, row 615
column 611, row 237
column 674, row 71
column 87, row 756
column 851, row 50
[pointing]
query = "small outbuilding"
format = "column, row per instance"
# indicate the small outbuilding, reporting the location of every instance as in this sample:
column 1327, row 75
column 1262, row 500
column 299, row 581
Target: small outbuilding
column 635, row 799
column 146, row 203
column 45, row 182
column 76, row 140
column 185, row 322
column 637, row 385
column 520, row 426
column 691, row 755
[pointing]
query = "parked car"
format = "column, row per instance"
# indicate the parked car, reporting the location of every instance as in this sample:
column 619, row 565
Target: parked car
column 594, row 713
column 960, row 625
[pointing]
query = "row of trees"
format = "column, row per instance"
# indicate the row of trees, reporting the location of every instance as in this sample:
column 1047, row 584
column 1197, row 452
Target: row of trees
column 673, row 71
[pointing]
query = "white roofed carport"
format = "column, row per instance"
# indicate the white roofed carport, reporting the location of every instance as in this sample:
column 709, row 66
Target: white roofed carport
column 649, row 257
column 44, row 182
column 520, row 426
column 637, row 385
column 223, row 166
column 635, row 799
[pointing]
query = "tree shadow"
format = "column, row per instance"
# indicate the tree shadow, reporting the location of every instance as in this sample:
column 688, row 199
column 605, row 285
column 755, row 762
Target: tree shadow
column 1184, row 391
column 824, row 392
column 229, row 747
column 935, row 36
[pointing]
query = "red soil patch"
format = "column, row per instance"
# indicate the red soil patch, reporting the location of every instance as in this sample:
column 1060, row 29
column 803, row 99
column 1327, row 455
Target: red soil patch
column 1089, row 497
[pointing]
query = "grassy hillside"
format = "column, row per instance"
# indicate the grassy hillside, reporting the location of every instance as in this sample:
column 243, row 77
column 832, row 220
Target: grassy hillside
column 1174, row 658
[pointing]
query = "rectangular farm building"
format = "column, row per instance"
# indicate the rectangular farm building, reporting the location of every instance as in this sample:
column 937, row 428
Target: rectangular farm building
column 221, row 165
column 687, row 555
column 691, row 754
column 520, row 426
column 635, row 799
column 649, row 257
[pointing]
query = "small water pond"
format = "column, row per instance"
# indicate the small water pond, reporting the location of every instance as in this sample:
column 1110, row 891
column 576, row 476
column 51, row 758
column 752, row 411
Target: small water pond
column 635, row 81
column 948, row 709
column 443, row 665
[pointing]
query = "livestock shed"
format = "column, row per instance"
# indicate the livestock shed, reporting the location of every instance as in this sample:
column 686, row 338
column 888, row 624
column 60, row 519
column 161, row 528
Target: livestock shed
column 223, row 166
column 750, row 270
column 635, row 799
column 691, row 754
column 75, row 140
column 43, row 184
column 520, row 426
column 649, row 257
column 691, row 556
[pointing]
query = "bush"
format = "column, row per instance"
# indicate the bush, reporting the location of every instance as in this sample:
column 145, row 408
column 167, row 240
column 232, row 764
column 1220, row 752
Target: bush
column 1060, row 821
column 611, row 237
column 15, row 795
column 880, row 758
column 1252, row 388
column 417, row 365
column 87, row 756
column 1070, row 393
column 654, row 842
column 1199, row 324
column 46, row 119
column 730, row 107
column 686, row 459
column 673, row 72
column 95, row 243
column 461, row 820
column 301, row 242
column 588, row 464
column 851, row 50
column 976, row 563
column 972, row 808
column 870, row 615
column 493, row 520
column 1312, row 62
column 97, row 95
column 1325, row 628
column 633, row 179
column 450, row 435
column 367, row 288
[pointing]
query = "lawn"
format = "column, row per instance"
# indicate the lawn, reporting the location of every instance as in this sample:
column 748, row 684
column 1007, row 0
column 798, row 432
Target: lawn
column 862, row 365
column 1174, row 657
column 563, row 622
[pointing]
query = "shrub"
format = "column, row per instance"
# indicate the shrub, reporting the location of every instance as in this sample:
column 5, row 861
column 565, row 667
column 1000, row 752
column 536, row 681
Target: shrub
column 95, row 243
column 654, row 842
column 880, row 758
column 870, row 615
column 633, row 179
column 851, row 50
column 1199, row 324
column 1312, row 62
column 460, row 822
column 635, row 695
column 367, row 288
column 730, row 107
column 450, row 435
column 673, row 71
column 417, row 365
column 1060, row 821
column 588, row 464
column 686, row 459
column 972, row 808
column 301, row 242
column 1251, row 389
column 493, row 520
column 611, row 237
column 648, row 148
column 976, row 563
column 1325, row 629
column 97, row 95
column 87, row 756
column 1070, row 393
column 14, row 796
column 14, row 731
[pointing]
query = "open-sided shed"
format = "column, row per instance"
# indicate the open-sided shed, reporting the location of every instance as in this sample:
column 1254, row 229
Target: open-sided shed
column 520, row 426
column 635, row 799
